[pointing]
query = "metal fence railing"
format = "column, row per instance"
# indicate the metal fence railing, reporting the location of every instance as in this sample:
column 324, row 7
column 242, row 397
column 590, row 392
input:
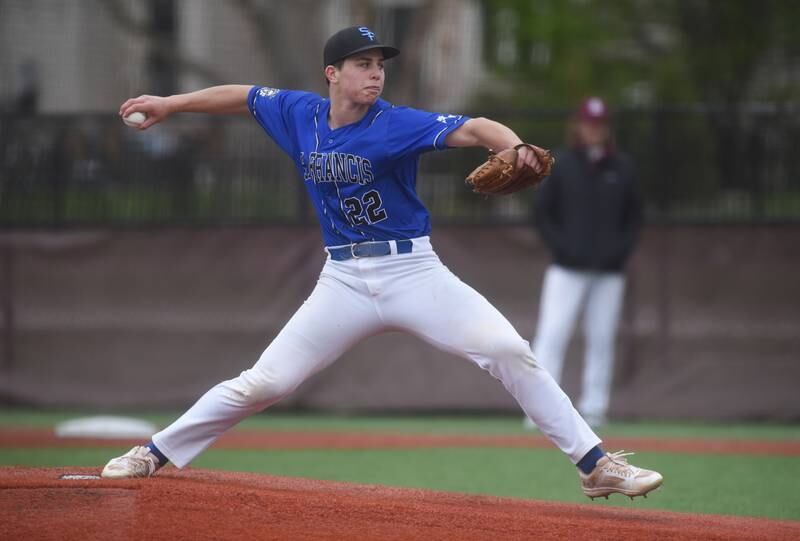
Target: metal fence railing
column 697, row 165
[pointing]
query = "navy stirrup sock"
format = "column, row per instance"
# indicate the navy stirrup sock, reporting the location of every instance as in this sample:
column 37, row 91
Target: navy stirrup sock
column 162, row 460
column 589, row 461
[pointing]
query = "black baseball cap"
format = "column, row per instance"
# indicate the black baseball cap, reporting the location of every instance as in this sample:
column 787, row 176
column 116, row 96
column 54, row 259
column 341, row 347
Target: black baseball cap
column 353, row 40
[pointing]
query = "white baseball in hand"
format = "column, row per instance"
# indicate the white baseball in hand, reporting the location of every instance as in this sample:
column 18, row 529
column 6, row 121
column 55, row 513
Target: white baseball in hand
column 134, row 120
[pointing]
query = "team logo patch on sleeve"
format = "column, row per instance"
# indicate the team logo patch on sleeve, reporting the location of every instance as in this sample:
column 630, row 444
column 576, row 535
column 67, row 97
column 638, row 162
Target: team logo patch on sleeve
column 447, row 119
column 267, row 92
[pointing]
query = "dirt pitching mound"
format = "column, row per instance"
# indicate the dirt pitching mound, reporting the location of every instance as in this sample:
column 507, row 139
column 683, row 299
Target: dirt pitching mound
column 200, row 504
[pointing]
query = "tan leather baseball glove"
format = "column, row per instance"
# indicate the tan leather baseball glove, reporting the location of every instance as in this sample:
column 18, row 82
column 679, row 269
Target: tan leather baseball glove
column 499, row 175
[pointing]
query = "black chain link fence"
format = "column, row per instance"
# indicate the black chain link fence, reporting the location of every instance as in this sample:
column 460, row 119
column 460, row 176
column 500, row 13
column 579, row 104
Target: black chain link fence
column 697, row 165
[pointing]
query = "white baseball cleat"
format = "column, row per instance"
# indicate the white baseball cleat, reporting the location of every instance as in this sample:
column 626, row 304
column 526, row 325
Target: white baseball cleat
column 614, row 474
column 138, row 462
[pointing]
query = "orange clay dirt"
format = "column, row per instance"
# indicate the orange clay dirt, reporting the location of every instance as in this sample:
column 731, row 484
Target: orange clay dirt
column 199, row 504
column 36, row 503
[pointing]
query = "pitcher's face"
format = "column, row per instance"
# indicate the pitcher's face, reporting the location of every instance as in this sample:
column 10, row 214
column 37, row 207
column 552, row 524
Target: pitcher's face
column 362, row 77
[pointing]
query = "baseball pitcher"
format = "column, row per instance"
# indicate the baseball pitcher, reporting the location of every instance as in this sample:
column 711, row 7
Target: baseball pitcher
column 357, row 156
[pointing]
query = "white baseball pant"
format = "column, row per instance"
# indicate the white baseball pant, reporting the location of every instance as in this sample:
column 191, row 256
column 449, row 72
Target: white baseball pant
column 564, row 292
column 357, row 298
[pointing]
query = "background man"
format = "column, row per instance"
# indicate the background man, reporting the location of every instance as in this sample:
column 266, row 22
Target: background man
column 589, row 215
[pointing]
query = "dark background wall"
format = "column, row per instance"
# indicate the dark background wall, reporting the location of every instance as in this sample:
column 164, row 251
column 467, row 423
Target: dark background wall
column 116, row 318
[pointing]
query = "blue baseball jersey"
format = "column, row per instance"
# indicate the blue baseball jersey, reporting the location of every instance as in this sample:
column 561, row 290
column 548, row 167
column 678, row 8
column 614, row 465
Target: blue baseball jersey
column 361, row 177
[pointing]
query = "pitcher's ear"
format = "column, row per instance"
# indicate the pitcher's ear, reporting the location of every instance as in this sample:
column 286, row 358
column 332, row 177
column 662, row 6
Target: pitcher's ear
column 331, row 74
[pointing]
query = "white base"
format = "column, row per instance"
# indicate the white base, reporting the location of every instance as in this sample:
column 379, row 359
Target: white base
column 105, row 426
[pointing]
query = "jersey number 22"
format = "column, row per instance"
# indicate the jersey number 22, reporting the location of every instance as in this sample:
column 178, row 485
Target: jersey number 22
column 366, row 210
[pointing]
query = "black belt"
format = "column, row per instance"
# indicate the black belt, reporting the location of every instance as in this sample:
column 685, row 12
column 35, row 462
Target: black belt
column 369, row 249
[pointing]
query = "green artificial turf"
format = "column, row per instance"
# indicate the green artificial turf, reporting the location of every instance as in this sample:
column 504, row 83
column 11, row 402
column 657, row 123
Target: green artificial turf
column 731, row 484
column 441, row 424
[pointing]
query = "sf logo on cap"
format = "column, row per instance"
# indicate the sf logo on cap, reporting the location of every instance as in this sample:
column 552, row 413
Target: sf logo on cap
column 367, row 33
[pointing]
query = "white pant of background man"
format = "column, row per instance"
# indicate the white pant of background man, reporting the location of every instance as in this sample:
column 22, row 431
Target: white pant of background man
column 600, row 294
